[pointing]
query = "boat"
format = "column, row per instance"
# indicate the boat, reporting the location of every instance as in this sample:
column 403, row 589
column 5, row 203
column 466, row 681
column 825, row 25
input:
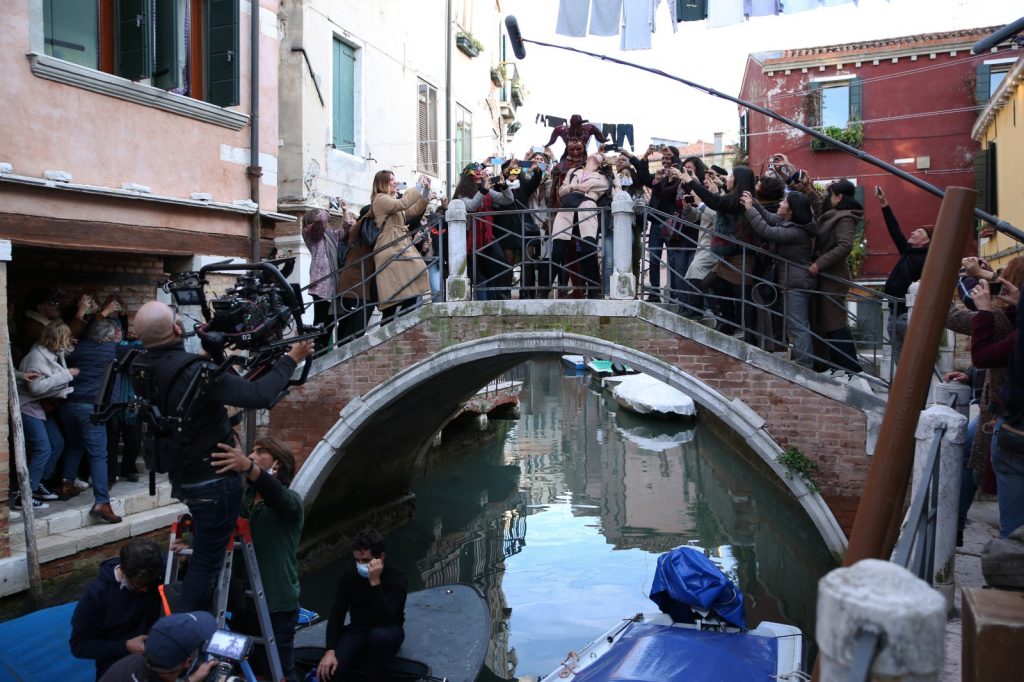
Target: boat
column 699, row 635
column 574, row 362
column 600, row 367
column 447, row 631
column 643, row 394
column 654, row 435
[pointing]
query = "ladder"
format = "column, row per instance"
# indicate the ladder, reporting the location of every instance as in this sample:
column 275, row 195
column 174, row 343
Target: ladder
column 241, row 539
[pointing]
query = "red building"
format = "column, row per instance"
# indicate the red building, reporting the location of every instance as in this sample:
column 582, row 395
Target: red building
column 910, row 101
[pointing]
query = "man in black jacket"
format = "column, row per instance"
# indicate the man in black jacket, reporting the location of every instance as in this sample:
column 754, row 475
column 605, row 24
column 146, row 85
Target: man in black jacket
column 119, row 606
column 913, row 252
column 214, row 500
column 374, row 595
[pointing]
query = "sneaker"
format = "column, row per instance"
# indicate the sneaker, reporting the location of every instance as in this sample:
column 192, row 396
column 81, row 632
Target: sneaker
column 81, row 485
column 36, row 504
column 44, row 493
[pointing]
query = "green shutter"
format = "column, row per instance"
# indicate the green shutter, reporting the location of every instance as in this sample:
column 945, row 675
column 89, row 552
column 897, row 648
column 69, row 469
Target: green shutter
column 814, row 110
column 981, row 179
column 992, row 180
column 222, row 57
column 343, row 97
column 169, row 26
column 855, row 100
column 133, row 53
column 983, row 83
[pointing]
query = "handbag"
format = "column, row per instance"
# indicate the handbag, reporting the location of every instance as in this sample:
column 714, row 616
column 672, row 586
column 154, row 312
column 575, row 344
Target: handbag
column 1010, row 438
column 369, row 230
column 766, row 292
column 572, row 200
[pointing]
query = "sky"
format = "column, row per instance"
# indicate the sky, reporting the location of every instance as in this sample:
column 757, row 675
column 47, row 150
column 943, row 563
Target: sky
column 560, row 83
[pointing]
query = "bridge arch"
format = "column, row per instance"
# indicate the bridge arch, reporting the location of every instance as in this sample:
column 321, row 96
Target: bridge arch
column 460, row 362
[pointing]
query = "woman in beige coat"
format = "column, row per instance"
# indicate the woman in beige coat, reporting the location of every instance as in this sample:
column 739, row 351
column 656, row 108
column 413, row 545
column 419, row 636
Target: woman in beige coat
column 401, row 271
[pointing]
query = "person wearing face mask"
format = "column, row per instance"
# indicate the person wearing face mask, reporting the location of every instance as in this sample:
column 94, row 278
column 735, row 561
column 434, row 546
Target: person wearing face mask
column 275, row 520
column 373, row 594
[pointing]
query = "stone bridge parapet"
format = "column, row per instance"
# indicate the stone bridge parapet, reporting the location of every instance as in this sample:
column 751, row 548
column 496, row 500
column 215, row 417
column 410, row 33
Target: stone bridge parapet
column 371, row 408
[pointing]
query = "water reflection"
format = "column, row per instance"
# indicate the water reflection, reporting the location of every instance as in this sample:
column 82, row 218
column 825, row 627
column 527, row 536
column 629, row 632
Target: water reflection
column 560, row 520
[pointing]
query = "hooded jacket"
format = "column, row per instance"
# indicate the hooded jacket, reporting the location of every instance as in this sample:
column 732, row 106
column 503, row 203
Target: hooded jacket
column 108, row 615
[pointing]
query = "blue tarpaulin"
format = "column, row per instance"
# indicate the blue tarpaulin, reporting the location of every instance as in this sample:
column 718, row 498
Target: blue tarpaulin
column 35, row 647
column 661, row 653
column 686, row 578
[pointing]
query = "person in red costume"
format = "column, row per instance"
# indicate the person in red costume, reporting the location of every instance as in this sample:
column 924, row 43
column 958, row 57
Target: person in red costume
column 575, row 136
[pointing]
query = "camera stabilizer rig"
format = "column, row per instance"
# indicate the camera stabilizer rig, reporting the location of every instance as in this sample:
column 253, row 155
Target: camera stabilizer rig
column 253, row 316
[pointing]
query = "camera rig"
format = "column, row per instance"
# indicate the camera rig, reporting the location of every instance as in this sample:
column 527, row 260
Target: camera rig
column 253, row 317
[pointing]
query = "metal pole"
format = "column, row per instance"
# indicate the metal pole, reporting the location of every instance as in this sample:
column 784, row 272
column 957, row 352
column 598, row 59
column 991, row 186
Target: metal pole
column 254, row 171
column 448, row 98
column 1000, row 225
column 879, row 513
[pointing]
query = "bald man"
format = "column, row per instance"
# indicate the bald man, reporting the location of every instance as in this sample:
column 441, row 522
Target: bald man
column 214, row 500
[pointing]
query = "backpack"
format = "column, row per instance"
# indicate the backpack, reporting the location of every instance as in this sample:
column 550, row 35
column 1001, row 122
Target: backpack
column 164, row 428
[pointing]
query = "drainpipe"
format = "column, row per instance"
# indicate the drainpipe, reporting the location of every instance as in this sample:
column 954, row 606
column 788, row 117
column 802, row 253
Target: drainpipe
column 448, row 95
column 253, row 170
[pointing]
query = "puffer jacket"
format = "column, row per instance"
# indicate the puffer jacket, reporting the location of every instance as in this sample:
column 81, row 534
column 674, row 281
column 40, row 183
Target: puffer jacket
column 55, row 380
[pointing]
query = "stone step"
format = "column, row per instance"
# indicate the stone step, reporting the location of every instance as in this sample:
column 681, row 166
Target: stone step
column 128, row 500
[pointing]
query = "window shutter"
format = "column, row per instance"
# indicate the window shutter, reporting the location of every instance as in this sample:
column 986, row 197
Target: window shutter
column 432, row 132
column 981, row 179
column 421, row 127
column 983, row 84
column 222, row 59
column 855, row 100
column 343, row 98
column 992, row 180
column 133, row 53
column 814, row 105
column 167, row 69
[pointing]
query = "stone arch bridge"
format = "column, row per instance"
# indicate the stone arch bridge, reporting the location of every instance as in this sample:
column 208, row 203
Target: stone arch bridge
column 370, row 409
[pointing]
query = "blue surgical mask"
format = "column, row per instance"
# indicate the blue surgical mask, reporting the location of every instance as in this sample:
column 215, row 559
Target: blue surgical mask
column 363, row 569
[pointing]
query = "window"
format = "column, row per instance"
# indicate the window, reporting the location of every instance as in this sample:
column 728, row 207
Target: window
column 343, row 100
column 837, row 103
column 990, row 75
column 189, row 47
column 745, row 131
column 426, row 129
column 985, row 183
column 463, row 137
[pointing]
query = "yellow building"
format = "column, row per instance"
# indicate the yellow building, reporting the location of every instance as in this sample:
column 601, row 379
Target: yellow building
column 999, row 165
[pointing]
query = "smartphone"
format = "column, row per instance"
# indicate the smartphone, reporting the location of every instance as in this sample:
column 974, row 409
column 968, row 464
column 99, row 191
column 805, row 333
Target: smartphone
column 537, row 150
column 402, row 186
column 228, row 645
column 496, row 160
column 995, row 288
column 878, row 191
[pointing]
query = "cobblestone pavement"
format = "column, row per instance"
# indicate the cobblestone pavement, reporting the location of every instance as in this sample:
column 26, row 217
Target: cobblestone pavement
column 982, row 526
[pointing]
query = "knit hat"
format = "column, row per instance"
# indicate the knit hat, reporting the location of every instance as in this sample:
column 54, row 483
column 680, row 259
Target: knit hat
column 718, row 169
column 174, row 638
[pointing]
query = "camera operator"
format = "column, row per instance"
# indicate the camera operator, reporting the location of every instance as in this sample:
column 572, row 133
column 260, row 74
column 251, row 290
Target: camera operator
column 275, row 519
column 170, row 650
column 213, row 499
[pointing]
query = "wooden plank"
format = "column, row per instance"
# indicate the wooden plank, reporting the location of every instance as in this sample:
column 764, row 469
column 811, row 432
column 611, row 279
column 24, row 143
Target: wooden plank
column 100, row 236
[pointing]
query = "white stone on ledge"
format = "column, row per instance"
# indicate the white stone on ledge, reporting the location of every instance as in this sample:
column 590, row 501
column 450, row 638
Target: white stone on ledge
column 135, row 187
column 57, row 175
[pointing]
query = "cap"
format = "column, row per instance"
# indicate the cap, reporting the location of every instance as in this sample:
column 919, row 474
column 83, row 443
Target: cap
column 719, row 170
column 174, row 638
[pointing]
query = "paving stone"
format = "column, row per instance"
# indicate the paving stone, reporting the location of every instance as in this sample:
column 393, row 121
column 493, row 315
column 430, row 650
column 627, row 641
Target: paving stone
column 65, row 521
column 54, row 547
column 94, row 536
column 13, row 574
column 137, row 503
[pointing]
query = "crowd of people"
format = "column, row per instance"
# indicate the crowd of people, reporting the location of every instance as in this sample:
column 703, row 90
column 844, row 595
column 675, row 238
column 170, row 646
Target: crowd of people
column 61, row 354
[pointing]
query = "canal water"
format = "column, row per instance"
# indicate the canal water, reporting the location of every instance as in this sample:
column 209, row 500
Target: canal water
column 559, row 519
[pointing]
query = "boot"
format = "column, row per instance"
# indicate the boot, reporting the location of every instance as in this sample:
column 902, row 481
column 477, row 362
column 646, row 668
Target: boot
column 104, row 513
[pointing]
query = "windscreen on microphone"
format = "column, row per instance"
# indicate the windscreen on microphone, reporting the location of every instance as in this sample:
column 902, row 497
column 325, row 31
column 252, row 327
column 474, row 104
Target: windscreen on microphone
column 985, row 44
column 515, row 37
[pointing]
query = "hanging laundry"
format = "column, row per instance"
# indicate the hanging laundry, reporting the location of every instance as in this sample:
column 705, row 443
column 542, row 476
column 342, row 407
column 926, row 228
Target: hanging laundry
column 833, row 3
column 555, row 121
column 624, row 131
column 760, row 8
column 636, row 25
column 671, row 12
column 572, row 18
column 724, row 13
column 691, row 10
column 605, row 17
column 608, row 130
column 794, row 6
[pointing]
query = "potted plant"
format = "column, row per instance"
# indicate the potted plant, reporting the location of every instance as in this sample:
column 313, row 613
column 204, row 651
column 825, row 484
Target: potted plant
column 852, row 134
column 467, row 44
column 498, row 74
column 517, row 93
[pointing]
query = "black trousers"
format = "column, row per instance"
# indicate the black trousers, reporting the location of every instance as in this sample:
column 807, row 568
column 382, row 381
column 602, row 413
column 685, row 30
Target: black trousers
column 368, row 647
column 563, row 250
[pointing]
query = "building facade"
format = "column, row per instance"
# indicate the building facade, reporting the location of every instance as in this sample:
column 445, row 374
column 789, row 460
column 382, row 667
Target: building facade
column 910, row 101
column 1000, row 165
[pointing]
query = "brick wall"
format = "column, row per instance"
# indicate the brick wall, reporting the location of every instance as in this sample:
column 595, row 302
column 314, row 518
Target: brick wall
column 829, row 432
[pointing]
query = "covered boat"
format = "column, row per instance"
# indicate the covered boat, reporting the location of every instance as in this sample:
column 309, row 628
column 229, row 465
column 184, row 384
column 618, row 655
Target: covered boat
column 699, row 636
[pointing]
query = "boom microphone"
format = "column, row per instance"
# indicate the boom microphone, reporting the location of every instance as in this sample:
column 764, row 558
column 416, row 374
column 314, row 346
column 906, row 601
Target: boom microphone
column 983, row 45
column 515, row 36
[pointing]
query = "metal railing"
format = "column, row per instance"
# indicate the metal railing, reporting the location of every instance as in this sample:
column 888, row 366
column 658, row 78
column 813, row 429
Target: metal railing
column 550, row 253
